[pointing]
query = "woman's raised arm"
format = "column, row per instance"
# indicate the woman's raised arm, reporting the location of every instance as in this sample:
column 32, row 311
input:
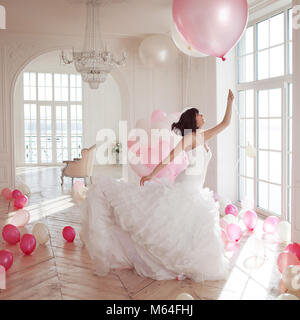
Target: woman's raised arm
column 210, row 133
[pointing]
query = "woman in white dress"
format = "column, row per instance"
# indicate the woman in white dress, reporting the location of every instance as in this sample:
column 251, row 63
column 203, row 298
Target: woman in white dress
column 163, row 230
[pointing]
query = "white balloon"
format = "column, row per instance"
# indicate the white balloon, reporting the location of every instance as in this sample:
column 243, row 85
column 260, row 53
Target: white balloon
column 284, row 231
column 251, row 151
column 184, row 296
column 157, row 50
column 24, row 189
column 182, row 45
column 41, row 233
column 291, row 277
column 287, row 296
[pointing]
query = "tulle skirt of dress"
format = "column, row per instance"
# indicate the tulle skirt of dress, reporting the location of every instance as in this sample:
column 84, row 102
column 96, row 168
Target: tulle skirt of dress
column 161, row 230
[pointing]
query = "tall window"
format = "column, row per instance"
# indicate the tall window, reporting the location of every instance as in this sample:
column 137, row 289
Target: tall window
column 265, row 113
column 52, row 117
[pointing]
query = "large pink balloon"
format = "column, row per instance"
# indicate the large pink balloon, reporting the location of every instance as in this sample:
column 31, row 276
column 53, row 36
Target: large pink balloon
column 11, row 234
column 234, row 232
column 212, row 27
column 6, row 259
column 250, row 219
column 286, row 259
column 28, row 243
column 6, row 194
column 270, row 224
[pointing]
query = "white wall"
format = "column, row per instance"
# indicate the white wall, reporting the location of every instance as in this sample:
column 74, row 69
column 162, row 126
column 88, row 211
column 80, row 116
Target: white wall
column 227, row 141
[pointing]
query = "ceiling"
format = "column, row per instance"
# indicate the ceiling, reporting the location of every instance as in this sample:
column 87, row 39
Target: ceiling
column 67, row 17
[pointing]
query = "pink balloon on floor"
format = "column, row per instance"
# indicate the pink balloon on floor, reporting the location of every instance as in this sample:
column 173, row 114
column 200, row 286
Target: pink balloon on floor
column 6, row 194
column 21, row 218
column 231, row 209
column 286, row 259
column 250, row 219
column 294, row 248
column 6, row 259
column 20, row 202
column 11, row 234
column 28, row 243
column 69, row 234
column 16, row 193
column 270, row 224
column 234, row 232
column 157, row 116
column 212, row 27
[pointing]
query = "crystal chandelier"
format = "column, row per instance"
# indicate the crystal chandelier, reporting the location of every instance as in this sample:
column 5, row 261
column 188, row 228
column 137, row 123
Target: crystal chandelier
column 94, row 62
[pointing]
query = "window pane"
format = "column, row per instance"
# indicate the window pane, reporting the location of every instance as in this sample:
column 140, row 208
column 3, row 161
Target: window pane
column 242, row 133
column 246, row 43
column 249, row 104
column 249, row 189
column 263, row 165
column 263, row 65
column 246, row 68
column 290, row 138
column 263, row 103
column 263, row 35
column 250, row 132
column 275, row 167
column 250, row 167
column 275, row 199
column 277, row 29
column 242, row 104
column 275, row 103
column 263, row 195
column 263, row 134
column 242, row 161
column 277, row 61
column 275, row 134
column 242, row 188
column 290, row 24
column 290, row 62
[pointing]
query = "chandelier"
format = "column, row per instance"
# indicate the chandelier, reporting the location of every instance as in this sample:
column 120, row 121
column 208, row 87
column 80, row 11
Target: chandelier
column 94, row 62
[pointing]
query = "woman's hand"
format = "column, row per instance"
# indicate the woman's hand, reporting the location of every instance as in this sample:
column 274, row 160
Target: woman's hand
column 144, row 179
column 230, row 96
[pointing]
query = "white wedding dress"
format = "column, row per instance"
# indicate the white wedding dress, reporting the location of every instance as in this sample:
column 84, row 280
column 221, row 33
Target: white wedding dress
column 163, row 230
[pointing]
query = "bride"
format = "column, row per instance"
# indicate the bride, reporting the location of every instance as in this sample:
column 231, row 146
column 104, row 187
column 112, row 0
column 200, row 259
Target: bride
column 162, row 230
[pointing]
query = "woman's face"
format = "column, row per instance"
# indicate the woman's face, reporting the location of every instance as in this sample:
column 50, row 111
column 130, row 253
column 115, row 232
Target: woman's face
column 200, row 120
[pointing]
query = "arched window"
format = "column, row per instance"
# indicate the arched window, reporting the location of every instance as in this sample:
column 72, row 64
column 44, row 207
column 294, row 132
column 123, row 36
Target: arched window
column 2, row 18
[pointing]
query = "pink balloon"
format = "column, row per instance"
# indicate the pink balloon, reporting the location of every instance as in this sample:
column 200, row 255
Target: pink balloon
column 20, row 202
column 212, row 27
column 16, row 193
column 250, row 219
column 6, row 259
column 294, row 248
column 11, row 234
column 234, row 232
column 28, row 243
column 286, row 259
column 6, row 194
column 69, row 234
column 21, row 218
column 231, row 209
column 157, row 116
column 270, row 224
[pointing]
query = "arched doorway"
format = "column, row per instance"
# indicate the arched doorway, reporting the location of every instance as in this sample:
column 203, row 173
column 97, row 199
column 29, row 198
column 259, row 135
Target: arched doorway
column 53, row 121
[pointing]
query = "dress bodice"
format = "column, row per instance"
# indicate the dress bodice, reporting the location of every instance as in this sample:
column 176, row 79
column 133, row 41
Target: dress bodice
column 195, row 172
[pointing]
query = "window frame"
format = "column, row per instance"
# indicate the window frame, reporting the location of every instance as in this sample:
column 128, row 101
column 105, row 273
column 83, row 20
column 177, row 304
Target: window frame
column 53, row 103
column 281, row 82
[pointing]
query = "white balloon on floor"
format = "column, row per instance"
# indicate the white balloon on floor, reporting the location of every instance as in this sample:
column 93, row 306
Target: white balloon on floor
column 287, row 296
column 290, row 275
column 182, row 45
column 284, row 231
column 184, row 296
column 41, row 233
column 157, row 50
